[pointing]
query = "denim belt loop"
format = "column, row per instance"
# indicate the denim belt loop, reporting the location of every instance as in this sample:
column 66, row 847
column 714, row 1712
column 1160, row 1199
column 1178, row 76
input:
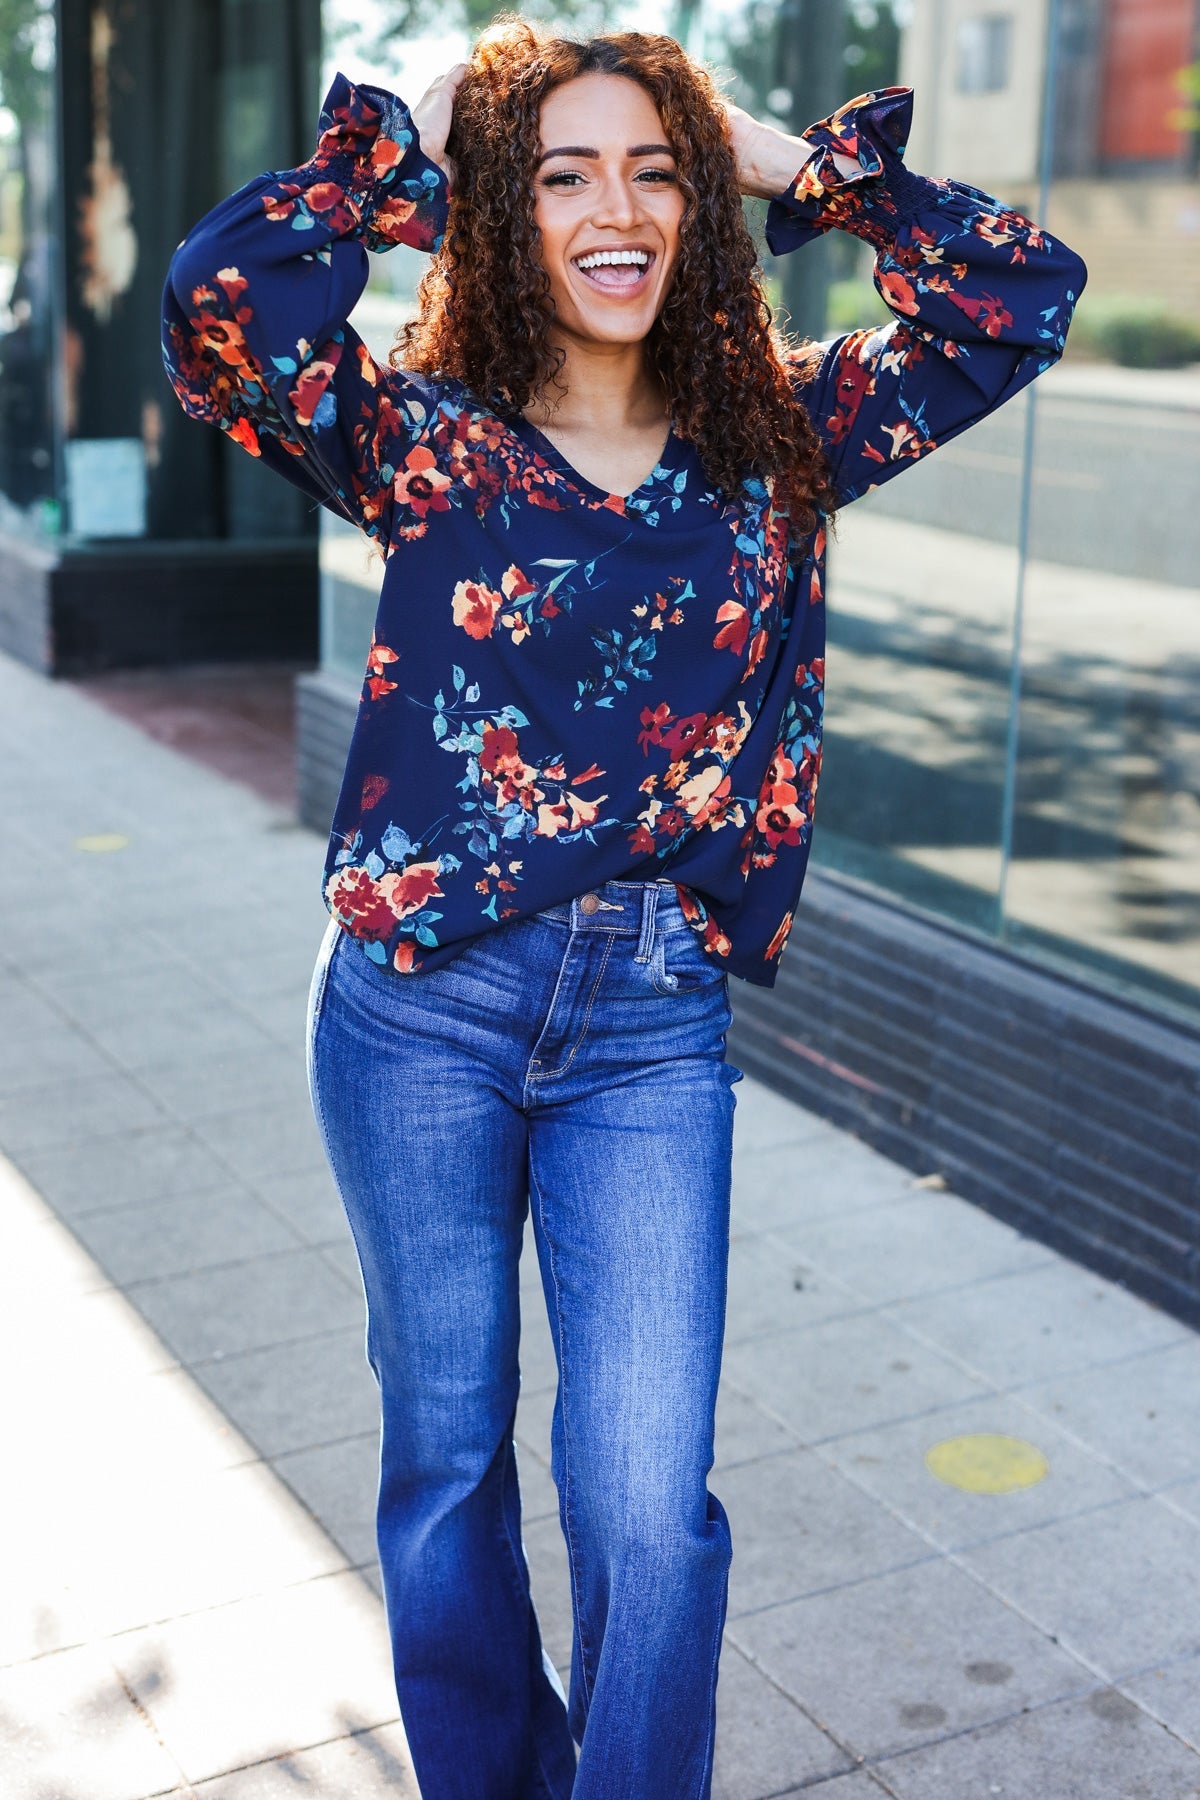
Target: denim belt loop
column 649, row 907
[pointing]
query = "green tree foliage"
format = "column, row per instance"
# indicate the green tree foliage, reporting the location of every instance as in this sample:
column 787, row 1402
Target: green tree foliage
column 415, row 18
column 751, row 47
column 26, row 54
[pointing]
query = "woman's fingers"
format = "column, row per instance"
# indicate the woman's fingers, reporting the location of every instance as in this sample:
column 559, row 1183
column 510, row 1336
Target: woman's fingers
column 433, row 113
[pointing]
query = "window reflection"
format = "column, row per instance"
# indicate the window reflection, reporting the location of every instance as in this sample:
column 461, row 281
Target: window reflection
column 1105, row 863
column 1014, row 664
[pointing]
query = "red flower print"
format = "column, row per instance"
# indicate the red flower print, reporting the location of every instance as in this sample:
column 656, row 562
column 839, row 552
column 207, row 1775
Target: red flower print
column 242, row 432
column 703, row 794
column 515, row 583
column 779, row 817
column 854, row 383
column 758, row 649
column 474, row 607
column 234, row 286
column 714, row 938
column 735, row 624
column 684, row 734
column 989, row 312
column 552, row 820
column 421, row 484
column 327, row 197
column 403, row 960
column 780, row 939
column 391, row 215
column 898, row 292
column 311, row 383
column 408, row 891
column 653, row 720
column 360, row 903
column 583, row 812
column 379, row 658
column 224, row 338
column 374, row 787
column 501, row 758
column 386, row 154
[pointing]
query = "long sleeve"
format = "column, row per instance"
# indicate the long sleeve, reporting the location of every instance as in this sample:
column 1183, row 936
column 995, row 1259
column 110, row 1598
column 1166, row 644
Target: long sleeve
column 982, row 296
column 255, row 338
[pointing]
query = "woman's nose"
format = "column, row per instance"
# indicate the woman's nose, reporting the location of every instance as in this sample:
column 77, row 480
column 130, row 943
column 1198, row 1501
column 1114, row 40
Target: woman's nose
column 615, row 202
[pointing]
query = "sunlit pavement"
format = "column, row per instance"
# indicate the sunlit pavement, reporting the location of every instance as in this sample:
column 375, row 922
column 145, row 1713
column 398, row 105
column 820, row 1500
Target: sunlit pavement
column 963, row 1475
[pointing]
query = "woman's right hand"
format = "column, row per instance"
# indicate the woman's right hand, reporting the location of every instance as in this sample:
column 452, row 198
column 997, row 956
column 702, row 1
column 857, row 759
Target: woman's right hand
column 432, row 115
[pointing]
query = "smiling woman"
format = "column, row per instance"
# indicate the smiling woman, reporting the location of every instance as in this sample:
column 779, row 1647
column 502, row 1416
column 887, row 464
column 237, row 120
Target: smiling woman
column 563, row 150
column 581, row 786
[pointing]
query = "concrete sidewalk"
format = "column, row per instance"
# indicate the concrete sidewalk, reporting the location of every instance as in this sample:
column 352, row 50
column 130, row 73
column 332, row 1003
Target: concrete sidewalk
column 963, row 1475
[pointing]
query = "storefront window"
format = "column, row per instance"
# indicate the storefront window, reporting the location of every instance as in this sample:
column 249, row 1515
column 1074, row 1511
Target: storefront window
column 1105, row 852
column 27, row 265
column 1014, row 661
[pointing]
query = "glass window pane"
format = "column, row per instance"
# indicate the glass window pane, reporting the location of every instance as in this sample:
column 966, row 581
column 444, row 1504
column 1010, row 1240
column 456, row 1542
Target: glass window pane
column 28, row 185
column 922, row 589
column 1106, row 842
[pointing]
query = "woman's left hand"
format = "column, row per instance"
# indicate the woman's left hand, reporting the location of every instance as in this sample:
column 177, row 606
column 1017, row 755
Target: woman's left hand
column 433, row 115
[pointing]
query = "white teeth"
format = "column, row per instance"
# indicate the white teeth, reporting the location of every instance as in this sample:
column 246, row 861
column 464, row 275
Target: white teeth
column 599, row 257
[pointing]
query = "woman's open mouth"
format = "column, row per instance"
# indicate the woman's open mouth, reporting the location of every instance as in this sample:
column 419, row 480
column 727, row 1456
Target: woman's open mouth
column 616, row 271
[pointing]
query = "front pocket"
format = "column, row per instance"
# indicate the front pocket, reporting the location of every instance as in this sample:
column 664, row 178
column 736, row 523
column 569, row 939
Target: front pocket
column 679, row 964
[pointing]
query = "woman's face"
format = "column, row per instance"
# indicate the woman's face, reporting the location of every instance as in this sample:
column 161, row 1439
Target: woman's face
column 608, row 205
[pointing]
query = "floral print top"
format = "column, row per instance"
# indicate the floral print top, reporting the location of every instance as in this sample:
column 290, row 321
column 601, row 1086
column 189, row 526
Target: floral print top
column 567, row 686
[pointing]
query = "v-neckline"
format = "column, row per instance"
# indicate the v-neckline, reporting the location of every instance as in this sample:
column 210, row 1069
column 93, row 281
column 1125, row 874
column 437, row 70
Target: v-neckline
column 551, row 453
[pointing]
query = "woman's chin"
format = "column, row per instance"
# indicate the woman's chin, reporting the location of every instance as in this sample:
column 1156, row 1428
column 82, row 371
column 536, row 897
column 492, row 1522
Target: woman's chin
column 610, row 326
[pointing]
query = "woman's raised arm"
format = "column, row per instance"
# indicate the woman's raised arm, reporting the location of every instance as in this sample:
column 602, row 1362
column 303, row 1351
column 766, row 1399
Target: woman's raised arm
column 255, row 338
column 982, row 296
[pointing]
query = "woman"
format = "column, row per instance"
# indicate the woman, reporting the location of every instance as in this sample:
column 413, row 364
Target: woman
column 580, row 789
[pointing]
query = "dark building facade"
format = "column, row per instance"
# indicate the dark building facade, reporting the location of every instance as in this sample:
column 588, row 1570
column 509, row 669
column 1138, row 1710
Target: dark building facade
column 127, row 536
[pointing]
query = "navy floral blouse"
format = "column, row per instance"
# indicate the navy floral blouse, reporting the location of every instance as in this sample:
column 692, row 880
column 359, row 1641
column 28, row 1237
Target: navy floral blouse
column 567, row 686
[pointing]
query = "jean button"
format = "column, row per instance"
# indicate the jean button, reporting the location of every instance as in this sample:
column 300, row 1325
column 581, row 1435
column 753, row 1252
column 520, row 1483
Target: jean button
column 590, row 903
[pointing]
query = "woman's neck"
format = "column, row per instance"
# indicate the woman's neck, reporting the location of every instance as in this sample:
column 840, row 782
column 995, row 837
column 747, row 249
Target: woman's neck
column 606, row 387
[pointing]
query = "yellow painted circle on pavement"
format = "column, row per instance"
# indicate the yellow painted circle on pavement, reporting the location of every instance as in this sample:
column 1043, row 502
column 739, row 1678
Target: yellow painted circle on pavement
column 100, row 841
column 987, row 1462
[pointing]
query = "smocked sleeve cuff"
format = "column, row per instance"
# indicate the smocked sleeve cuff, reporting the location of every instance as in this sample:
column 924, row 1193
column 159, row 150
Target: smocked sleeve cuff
column 368, row 177
column 872, row 130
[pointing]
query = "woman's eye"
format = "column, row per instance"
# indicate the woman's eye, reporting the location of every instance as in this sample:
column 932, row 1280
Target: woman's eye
column 567, row 178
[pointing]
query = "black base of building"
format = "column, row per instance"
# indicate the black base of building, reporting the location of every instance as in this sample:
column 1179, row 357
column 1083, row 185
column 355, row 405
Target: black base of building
column 141, row 604
column 1071, row 1116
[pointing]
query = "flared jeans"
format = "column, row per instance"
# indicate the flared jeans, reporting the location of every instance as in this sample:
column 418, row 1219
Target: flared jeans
column 571, row 1065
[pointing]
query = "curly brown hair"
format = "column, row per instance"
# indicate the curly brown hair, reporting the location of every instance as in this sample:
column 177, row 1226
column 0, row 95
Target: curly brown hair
column 485, row 310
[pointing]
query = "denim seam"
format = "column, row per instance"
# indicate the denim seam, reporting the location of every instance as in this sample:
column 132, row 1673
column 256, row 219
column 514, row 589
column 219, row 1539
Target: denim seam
column 572, row 1554
column 548, row 1074
column 714, row 1666
column 311, row 1048
column 525, row 1595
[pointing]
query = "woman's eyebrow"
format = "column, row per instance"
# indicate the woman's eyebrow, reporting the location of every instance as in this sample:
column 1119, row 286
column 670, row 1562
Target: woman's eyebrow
column 588, row 150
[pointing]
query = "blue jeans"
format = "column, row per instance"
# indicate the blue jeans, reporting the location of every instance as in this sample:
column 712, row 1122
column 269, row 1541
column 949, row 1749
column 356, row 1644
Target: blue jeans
column 571, row 1062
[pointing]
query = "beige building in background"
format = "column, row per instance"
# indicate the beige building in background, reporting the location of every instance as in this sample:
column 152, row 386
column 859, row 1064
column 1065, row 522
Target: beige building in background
column 1125, row 191
column 989, row 138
